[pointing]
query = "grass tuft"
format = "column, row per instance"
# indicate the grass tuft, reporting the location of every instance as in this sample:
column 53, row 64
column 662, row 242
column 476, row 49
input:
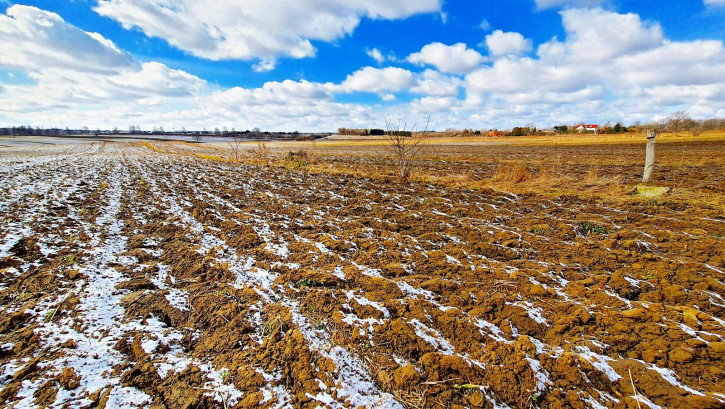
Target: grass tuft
column 587, row 229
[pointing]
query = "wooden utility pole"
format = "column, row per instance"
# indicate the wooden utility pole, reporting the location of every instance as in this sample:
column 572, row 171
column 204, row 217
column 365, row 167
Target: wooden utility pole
column 649, row 162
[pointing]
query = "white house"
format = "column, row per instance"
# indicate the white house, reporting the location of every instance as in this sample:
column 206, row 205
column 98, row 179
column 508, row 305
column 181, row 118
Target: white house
column 588, row 128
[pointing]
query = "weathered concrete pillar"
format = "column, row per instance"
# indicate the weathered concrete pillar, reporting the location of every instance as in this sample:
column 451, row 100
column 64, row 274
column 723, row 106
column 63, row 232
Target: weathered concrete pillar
column 649, row 162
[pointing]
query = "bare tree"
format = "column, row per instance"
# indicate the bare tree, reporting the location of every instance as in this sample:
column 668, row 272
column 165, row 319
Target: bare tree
column 197, row 137
column 530, row 128
column 404, row 143
column 236, row 145
column 678, row 121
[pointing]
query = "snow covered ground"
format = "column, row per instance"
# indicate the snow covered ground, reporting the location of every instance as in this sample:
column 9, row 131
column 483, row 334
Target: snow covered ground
column 132, row 278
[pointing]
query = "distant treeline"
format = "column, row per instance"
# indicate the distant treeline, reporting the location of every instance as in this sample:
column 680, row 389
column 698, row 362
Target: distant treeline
column 136, row 130
column 371, row 132
column 679, row 121
column 29, row 130
column 604, row 129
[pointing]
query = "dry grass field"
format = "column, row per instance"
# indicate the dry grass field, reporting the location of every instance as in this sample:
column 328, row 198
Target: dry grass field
column 506, row 273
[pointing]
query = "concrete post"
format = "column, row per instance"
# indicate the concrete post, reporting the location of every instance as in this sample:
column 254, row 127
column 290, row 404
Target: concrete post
column 649, row 163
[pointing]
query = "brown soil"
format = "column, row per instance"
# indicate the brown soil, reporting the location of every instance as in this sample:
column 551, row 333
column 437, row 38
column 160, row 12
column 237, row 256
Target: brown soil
column 432, row 294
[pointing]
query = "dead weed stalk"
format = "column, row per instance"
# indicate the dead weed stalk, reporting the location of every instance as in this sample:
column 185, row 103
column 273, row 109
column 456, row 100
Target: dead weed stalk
column 260, row 153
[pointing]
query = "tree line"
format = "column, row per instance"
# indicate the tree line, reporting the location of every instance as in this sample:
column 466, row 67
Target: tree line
column 679, row 121
column 255, row 133
column 372, row 132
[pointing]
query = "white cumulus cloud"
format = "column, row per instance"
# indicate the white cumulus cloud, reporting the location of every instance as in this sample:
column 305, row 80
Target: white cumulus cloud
column 159, row 80
column 433, row 83
column 378, row 80
column 454, row 59
column 431, row 105
column 69, row 67
column 254, row 29
column 287, row 92
column 598, row 35
column 376, row 55
column 31, row 38
column 526, row 74
column 501, row 43
column 609, row 65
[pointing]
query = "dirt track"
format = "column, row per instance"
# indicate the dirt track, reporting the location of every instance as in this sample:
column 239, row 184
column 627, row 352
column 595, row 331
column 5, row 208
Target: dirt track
column 133, row 278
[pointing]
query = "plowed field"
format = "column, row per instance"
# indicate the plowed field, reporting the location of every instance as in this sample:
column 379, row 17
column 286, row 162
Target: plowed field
column 136, row 277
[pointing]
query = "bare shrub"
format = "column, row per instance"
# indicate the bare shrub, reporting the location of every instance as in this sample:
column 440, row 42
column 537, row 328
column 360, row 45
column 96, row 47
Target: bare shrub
column 404, row 144
column 261, row 152
column 236, row 145
column 299, row 159
column 300, row 155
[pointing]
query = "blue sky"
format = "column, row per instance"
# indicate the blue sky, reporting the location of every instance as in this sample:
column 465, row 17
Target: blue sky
column 321, row 64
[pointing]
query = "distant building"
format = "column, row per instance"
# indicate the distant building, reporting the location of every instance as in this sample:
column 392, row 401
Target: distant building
column 588, row 128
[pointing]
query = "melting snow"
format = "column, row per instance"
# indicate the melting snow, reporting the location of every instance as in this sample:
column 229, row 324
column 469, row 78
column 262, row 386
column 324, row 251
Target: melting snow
column 432, row 337
column 599, row 362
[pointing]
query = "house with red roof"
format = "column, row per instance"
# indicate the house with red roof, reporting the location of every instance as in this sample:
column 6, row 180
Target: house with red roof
column 588, row 128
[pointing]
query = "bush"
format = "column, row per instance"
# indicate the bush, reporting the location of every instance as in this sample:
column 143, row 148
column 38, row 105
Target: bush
column 299, row 159
column 261, row 152
column 587, row 228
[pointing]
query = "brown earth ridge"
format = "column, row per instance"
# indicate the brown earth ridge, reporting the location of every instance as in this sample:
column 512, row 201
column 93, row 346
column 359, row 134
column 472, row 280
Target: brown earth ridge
column 166, row 278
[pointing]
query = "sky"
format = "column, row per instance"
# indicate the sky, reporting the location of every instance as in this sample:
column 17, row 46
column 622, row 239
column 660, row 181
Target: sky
column 317, row 65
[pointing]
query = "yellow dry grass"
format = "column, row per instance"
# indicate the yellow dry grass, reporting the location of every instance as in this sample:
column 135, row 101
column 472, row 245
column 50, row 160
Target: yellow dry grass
column 534, row 140
column 545, row 180
column 153, row 147
column 589, row 139
column 593, row 166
